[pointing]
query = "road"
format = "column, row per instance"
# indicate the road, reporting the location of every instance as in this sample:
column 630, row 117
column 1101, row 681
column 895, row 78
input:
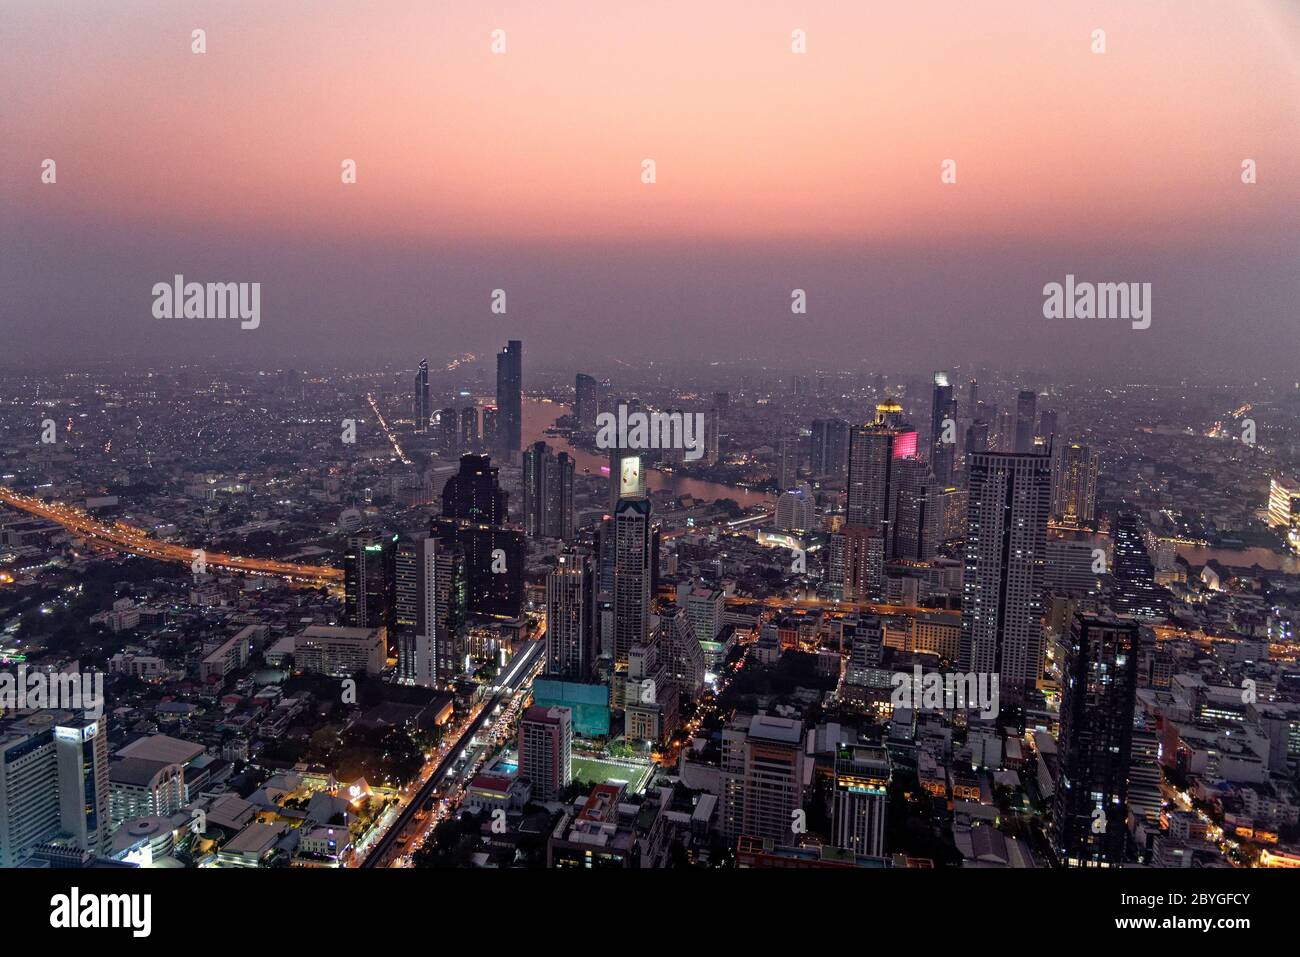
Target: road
column 518, row 677
column 127, row 538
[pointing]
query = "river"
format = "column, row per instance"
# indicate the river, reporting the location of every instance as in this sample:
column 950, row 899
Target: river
column 540, row 414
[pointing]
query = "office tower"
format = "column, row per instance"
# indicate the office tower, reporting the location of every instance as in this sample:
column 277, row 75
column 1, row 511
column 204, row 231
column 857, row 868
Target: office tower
column 704, row 608
column 422, row 408
column 912, row 485
column 857, row 565
column 54, row 782
column 680, row 652
column 1002, row 581
column 874, row 451
column 787, row 461
column 830, row 447
column 632, row 576
column 626, row 476
column 1089, row 826
column 510, row 384
column 475, row 516
column 1284, row 510
column 571, row 644
column 443, row 608
column 977, row 436
column 469, row 428
column 866, row 639
column 942, row 408
column 1074, row 483
column 795, row 511
column 861, row 795
column 1133, row 576
column 651, row 697
column 973, row 402
column 405, row 616
column 762, row 777
column 546, row 750
column 1047, row 429
column 712, row 436
column 489, row 427
column 1026, row 415
column 548, row 492
column 365, row 581
column 448, row 431
column 586, row 401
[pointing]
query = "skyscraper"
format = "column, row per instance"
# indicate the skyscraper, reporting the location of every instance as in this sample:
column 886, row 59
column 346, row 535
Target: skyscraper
column 787, row 462
column 365, row 581
column 1074, row 483
column 546, row 750
column 1089, row 821
column 586, row 401
column 510, row 383
column 571, row 648
column 1134, row 589
column 1002, row 581
column 1026, row 416
column 443, row 608
column 632, row 578
column 548, row 492
column 876, row 454
column 943, row 407
column 474, row 515
column 860, row 798
column 405, row 615
column 830, row 447
column 422, row 409
column 469, row 439
column 762, row 776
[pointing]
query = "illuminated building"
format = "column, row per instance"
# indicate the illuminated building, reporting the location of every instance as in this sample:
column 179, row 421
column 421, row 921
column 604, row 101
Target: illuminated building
column 943, row 406
column 1089, row 821
column 571, row 644
column 1134, row 590
column 860, row 798
column 365, row 581
column 510, row 379
column 875, row 451
column 548, row 492
column 1284, row 509
column 830, row 447
column 632, row 577
column 795, row 511
column 441, row 624
column 762, row 776
column 1026, row 415
column 545, row 751
column 1074, row 483
column 422, row 409
column 475, row 516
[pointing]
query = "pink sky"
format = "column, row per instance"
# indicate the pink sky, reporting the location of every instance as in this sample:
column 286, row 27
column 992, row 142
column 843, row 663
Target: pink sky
column 751, row 140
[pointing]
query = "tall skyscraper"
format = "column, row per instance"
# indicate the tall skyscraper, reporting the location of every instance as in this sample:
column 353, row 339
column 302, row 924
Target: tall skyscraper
column 469, row 439
column 365, row 581
column 586, row 401
column 857, row 565
column 422, row 409
column 632, row 578
column 795, row 511
column 475, row 516
column 912, row 483
column 405, row 616
column 1074, row 483
column 942, row 408
column 54, row 782
column 1002, row 581
column 443, row 609
column 448, row 434
column 830, row 447
column 510, row 385
column 546, row 750
column 571, row 646
column 1026, row 416
column 762, row 776
column 860, row 799
column 1133, row 577
column 787, row 462
column 1089, row 821
column 548, row 492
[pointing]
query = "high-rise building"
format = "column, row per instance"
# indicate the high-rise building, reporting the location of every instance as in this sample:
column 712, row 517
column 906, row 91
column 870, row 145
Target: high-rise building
column 586, row 401
column 365, row 581
column 1074, row 483
column 943, row 407
column 475, row 516
column 874, row 450
column 1026, row 416
column 1047, row 430
column 469, row 438
column 912, row 485
column 1002, row 581
column 510, row 384
column 571, row 640
column 443, row 608
column 632, row 578
column 1133, row 577
column 546, row 750
column 860, row 798
column 404, row 623
column 54, row 782
column 1089, row 821
column 548, row 492
column 448, row 431
column 787, row 461
column 422, row 408
column 704, row 608
column 626, row 476
column 830, row 447
column 795, row 511
column 762, row 776
column 857, row 565
column 1284, row 509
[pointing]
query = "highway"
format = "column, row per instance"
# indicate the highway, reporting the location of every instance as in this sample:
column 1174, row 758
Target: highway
column 129, row 539
column 518, row 676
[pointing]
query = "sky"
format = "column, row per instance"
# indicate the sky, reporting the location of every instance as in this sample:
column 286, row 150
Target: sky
column 522, row 170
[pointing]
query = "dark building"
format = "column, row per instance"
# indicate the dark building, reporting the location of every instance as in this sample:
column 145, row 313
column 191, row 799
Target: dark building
column 405, row 616
column 943, row 406
column 571, row 642
column 469, row 428
column 422, row 409
column 1026, row 414
column 448, row 432
column 586, row 401
column 510, row 384
column 475, row 516
column 1134, row 590
column 830, row 447
column 875, row 453
column 365, row 581
column 1089, row 826
column 633, row 578
column 548, row 492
